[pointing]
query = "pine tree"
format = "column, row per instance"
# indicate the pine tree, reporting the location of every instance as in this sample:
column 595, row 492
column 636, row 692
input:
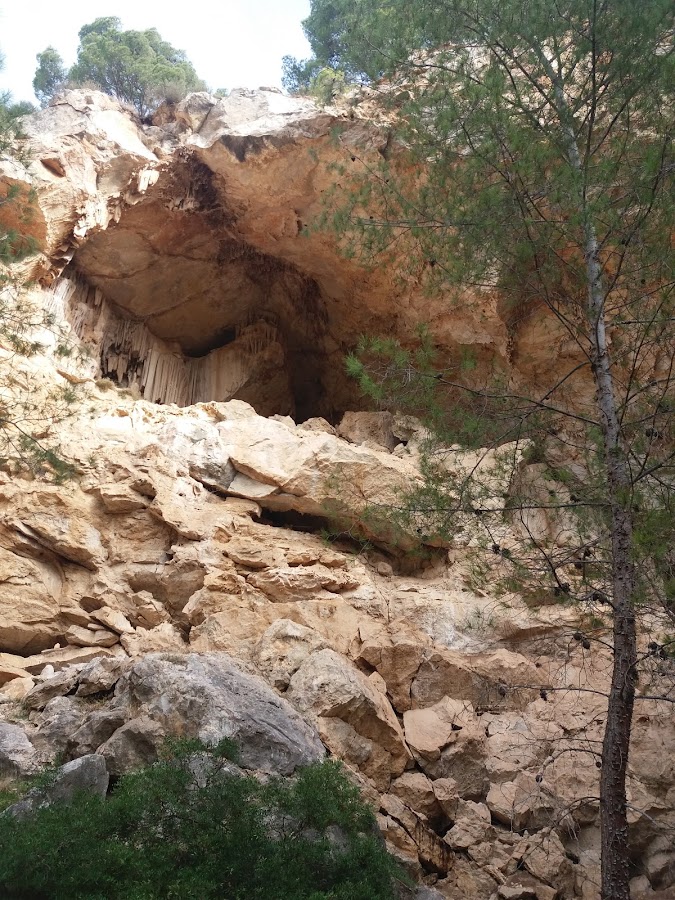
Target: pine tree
column 50, row 75
column 137, row 67
column 535, row 160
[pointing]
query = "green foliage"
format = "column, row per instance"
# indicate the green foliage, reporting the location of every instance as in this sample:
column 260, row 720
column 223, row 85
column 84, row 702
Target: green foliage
column 297, row 75
column 50, row 75
column 26, row 415
column 530, row 161
column 324, row 83
column 359, row 37
column 187, row 827
column 137, row 67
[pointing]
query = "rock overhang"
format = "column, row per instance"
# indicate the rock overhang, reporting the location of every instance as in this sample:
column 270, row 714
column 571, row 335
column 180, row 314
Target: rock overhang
column 196, row 263
column 185, row 252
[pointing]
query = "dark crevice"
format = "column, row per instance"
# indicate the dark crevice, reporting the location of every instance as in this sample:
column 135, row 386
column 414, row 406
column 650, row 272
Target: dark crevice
column 221, row 338
column 294, row 521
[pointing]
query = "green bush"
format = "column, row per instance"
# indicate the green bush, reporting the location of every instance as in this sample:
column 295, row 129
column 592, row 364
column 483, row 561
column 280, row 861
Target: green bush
column 188, row 828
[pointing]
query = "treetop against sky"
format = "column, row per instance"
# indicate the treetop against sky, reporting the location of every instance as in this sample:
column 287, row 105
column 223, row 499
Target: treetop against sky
column 237, row 43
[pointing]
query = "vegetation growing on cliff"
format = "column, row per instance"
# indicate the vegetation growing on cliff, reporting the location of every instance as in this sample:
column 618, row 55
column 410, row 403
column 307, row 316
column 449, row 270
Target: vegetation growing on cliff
column 25, row 417
column 137, row 67
column 545, row 137
column 188, row 827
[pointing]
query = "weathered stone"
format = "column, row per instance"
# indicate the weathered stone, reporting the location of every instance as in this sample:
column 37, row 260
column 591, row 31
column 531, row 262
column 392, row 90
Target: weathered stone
column 17, row 754
column 468, row 880
column 56, row 724
column 524, row 803
column 660, row 863
column 431, row 730
column 86, row 774
column 432, row 851
column 291, row 583
column 16, row 689
column 522, row 886
column 515, row 743
column 162, row 638
column 9, row 672
column 30, row 617
column 447, row 794
column 447, row 741
column 332, row 689
column 283, row 648
column 193, row 110
column 417, row 792
column 209, row 697
column 399, row 843
column 58, row 685
column 543, row 856
column 64, row 657
column 97, row 728
column 119, row 498
column 361, row 427
column 472, row 824
column 113, row 620
column 133, row 745
column 85, row 637
column 100, row 675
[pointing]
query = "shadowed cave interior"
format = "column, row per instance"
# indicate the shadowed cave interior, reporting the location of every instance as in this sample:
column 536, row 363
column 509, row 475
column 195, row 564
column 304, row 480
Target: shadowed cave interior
column 173, row 303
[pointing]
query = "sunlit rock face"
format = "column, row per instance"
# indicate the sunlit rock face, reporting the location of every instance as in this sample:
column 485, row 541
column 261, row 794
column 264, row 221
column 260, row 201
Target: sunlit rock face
column 181, row 252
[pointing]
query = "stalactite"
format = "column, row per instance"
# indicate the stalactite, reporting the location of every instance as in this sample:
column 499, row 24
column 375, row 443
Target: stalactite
column 131, row 355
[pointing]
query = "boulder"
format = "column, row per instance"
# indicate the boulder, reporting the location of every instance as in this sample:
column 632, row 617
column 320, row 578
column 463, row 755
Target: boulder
column 447, row 742
column 58, row 685
column 291, row 583
column 17, row 754
column 471, row 825
column 87, row 774
column 96, row 729
column 543, row 856
column 283, row 648
column 30, row 618
column 56, row 724
column 354, row 719
column 86, row 637
column 368, row 428
column 131, row 746
column 417, row 792
column 432, row 852
column 162, row 638
column 209, row 697
column 659, row 865
column 113, row 620
column 16, row 689
column 100, row 675
column 524, row 803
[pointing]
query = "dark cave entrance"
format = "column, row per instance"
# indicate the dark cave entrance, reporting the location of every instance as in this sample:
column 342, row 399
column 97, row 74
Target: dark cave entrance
column 174, row 303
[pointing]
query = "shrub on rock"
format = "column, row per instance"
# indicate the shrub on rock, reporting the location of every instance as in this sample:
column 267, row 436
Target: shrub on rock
column 194, row 825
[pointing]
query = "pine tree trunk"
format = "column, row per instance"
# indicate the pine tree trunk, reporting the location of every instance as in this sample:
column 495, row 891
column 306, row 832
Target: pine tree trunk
column 616, row 742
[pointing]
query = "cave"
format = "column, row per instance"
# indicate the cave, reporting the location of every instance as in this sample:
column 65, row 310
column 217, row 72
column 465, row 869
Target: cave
column 173, row 302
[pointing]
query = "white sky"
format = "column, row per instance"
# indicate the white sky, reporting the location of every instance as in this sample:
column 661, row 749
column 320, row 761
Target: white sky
column 231, row 43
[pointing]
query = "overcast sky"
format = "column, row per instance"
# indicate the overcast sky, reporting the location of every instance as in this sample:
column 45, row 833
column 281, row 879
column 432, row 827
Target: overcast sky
column 231, row 43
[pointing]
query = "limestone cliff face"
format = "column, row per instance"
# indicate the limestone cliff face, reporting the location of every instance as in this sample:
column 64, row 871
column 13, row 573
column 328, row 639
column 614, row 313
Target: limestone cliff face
column 187, row 555
column 166, row 243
